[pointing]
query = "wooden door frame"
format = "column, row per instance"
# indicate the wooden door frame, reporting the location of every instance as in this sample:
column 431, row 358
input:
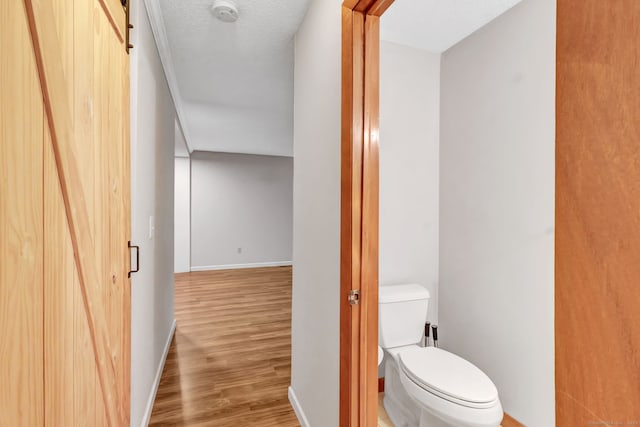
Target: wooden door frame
column 359, row 211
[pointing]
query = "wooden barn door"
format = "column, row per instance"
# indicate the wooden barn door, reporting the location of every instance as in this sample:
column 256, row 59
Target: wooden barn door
column 64, row 213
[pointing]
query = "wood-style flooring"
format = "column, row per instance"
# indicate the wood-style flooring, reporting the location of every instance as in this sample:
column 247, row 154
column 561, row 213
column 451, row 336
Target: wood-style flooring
column 383, row 417
column 229, row 364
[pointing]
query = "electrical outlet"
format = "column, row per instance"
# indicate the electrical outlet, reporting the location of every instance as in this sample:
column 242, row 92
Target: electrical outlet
column 239, row 250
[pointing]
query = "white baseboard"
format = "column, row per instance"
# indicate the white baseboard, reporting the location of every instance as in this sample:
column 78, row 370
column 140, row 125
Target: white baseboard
column 238, row 266
column 302, row 418
column 156, row 382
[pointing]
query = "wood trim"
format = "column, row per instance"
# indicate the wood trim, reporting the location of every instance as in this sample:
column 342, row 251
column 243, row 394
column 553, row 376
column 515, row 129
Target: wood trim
column 363, row 6
column 369, row 253
column 379, row 7
column 351, row 210
column 350, row 4
column 381, row 385
column 370, row 7
column 117, row 16
column 508, row 421
column 359, row 211
column 54, row 87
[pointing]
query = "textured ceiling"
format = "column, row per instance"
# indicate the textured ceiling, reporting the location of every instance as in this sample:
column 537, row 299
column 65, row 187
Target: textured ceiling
column 235, row 80
column 436, row 25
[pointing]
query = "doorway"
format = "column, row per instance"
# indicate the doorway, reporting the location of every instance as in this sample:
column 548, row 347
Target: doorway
column 522, row 256
column 230, row 77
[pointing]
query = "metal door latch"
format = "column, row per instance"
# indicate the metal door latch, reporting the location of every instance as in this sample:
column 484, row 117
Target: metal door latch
column 354, row 297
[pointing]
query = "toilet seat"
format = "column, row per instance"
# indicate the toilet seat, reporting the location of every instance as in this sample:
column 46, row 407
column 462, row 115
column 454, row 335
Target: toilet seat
column 448, row 376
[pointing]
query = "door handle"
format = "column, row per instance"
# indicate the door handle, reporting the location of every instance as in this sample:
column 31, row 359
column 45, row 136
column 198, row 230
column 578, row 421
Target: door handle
column 137, row 248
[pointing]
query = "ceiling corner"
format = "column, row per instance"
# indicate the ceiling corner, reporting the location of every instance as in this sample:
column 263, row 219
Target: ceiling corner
column 158, row 28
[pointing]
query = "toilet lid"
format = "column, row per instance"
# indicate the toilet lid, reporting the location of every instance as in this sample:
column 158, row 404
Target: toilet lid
column 448, row 375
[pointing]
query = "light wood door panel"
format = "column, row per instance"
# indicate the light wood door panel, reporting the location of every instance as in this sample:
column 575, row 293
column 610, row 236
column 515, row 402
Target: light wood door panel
column 64, row 291
column 21, row 219
column 60, row 302
column 116, row 16
column 598, row 212
column 72, row 393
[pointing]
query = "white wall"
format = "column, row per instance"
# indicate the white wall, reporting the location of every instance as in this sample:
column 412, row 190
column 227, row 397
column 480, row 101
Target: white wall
column 180, row 142
column 497, row 206
column 182, row 216
column 240, row 129
column 152, row 157
column 409, row 159
column 315, row 337
column 241, row 210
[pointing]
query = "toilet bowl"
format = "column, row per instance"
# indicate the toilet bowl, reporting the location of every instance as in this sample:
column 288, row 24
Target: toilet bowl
column 428, row 386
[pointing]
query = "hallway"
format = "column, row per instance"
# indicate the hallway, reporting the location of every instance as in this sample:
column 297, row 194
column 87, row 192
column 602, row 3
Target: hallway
column 230, row 360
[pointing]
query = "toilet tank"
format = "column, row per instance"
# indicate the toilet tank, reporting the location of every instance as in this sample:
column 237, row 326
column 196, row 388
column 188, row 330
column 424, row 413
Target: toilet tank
column 402, row 314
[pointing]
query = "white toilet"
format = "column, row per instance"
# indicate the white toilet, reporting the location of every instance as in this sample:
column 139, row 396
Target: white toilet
column 428, row 386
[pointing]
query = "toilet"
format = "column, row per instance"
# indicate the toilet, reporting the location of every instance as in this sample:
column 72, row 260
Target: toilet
column 428, row 386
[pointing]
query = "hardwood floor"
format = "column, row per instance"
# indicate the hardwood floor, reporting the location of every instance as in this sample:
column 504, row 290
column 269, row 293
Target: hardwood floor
column 383, row 417
column 229, row 363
